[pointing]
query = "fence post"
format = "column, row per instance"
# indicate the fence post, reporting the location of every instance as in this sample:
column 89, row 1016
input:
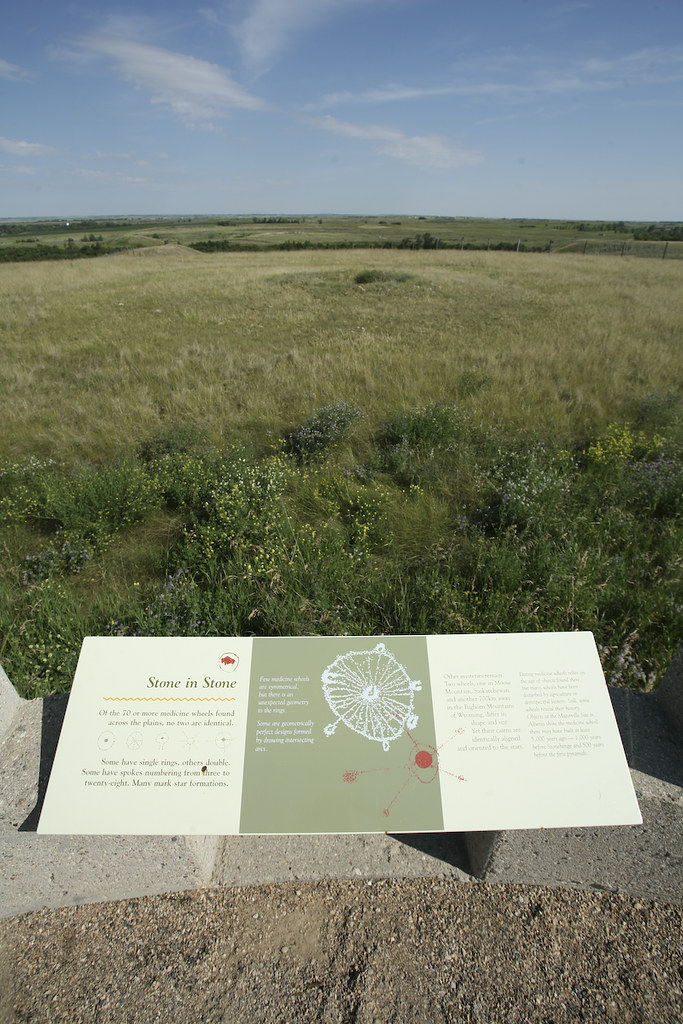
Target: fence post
column 666, row 246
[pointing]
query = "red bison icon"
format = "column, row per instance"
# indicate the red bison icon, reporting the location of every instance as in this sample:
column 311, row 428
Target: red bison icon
column 229, row 662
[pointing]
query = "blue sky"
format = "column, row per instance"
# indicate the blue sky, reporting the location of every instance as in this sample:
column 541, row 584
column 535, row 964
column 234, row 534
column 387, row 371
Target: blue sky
column 499, row 108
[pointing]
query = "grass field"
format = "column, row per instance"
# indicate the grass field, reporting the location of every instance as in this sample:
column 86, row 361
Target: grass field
column 21, row 240
column 340, row 442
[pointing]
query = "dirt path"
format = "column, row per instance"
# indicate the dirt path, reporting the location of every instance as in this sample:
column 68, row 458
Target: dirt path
column 415, row 950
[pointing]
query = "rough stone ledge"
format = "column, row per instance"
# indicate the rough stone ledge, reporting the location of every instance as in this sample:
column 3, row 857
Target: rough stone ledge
column 52, row 871
column 643, row 860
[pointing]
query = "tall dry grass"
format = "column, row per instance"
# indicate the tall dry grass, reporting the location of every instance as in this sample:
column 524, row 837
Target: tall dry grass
column 97, row 354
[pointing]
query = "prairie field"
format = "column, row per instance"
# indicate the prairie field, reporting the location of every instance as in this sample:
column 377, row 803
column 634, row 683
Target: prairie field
column 101, row 353
column 340, row 442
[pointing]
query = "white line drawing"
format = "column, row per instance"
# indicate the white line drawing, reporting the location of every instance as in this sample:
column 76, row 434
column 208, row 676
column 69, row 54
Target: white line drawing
column 371, row 693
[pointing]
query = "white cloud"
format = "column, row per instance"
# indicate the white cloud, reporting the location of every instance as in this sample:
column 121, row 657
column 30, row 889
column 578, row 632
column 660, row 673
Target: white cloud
column 128, row 179
column 194, row 90
column 652, row 66
column 436, row 151
column 388, row 94
column 16, row 169
column 270, row 24
column 17, row 148
column 115, row 156
column 209, row 15
column 13, row 71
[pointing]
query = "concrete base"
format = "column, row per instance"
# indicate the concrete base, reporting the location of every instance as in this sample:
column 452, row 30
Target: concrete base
column 54, row 871
column 10, row 702
column 643, row 860
column 39, row 871
column 254, row 860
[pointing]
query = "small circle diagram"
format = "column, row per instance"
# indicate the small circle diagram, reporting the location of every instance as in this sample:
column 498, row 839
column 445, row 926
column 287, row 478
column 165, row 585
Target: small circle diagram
column 229, row 661
column 105, row 740
column 134, row 741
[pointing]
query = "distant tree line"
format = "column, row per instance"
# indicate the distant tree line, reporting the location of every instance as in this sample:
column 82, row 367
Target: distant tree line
column 616, row 226
column 26, row 254
column 420, row 241
column 276, row 220
column 660, row 233
column 69, row 251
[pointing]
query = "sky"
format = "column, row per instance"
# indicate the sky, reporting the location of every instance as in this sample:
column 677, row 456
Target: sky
column 493, row 108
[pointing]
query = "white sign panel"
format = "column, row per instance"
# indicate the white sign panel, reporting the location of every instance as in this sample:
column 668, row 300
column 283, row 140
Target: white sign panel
column 233, row 735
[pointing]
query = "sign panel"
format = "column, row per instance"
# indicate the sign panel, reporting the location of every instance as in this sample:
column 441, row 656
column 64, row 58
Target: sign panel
column 211, row 736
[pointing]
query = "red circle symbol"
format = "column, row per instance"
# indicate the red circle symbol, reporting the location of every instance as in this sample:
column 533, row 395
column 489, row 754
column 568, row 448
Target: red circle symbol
column 423, row 759
column 229, row 661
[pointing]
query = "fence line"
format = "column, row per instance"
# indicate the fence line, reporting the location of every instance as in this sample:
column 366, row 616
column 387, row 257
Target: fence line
column 630, row 247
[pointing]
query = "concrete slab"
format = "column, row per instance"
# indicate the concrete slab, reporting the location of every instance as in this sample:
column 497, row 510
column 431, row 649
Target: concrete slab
column 255, row 860
column 642, row 860
column 54, row 871
column 10, row 703
column 51, row 871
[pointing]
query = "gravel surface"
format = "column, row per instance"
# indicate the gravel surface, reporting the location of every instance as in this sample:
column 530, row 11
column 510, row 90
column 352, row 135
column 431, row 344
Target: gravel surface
column 348, row 951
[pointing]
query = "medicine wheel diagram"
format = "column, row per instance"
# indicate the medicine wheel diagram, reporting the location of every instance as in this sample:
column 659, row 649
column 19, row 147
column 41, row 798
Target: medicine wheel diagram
column 371, row 693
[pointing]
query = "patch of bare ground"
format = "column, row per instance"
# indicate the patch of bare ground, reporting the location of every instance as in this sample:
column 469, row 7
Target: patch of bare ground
column 341, row 952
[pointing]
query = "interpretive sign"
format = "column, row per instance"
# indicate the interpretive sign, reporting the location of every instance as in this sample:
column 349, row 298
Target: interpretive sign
column 210, row 736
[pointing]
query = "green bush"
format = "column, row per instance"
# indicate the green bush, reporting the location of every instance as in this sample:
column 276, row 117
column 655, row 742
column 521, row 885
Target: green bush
column 187, row 480
column 223, row 543
column 178, row 438
column 94, row 499
column 434, row 426
column 412, row 446
column 321, row 431
column 381, row 277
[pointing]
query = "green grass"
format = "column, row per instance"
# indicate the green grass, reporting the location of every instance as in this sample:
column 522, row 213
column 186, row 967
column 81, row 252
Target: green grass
column 340, row 442
column 100, row 353
column 264, row 233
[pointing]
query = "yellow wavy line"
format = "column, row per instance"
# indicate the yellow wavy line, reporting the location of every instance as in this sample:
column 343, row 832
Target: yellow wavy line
column 169, row 698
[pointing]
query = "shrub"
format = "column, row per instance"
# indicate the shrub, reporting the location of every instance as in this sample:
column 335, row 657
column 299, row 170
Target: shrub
column 93, row 499
column 239, row 528
column 381, row 276
column 187, row 479
column 23, row 487
column 656, row 487
column 176, row 610
column 493, row 534
column 68, row 554
column 532, row 490
column 412, row 445
column 621, row 443
column 321, row 431
column 178, row 438
column 433, row 426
